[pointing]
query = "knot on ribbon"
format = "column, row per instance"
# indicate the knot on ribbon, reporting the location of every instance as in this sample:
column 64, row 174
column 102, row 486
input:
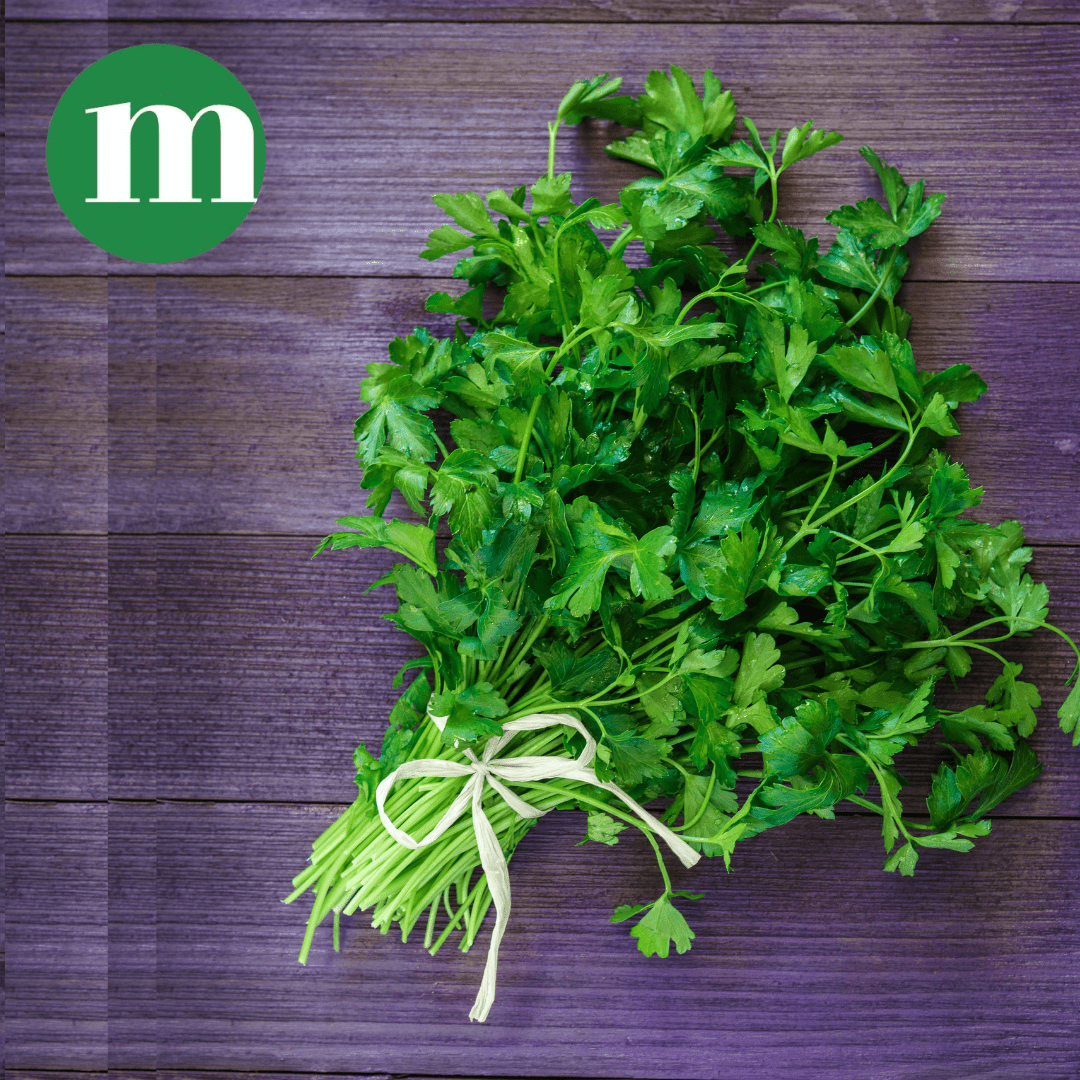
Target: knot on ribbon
column 487, row 769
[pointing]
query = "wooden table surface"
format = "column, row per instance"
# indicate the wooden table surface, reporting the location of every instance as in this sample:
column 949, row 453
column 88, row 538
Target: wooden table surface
column 185, row 687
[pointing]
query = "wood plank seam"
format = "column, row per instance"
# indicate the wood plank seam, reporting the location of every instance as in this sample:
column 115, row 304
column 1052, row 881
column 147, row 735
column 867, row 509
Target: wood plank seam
column 25, row 20
column 15, row 800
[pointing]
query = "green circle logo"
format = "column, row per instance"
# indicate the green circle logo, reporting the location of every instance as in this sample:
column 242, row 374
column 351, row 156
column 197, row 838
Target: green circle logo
column 156, row 153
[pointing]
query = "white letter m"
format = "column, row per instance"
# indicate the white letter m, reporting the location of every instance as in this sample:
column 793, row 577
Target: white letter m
column 175, row 130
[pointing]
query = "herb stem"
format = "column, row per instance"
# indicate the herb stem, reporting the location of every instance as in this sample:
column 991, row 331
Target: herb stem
column 660, row 862
column 701, row 809
column 553, row 131
column 877, row 292
column 621, row 241
column 818, row 501
column 523, row 450
column 843, row 468
column 522, row 649
column 885, row 477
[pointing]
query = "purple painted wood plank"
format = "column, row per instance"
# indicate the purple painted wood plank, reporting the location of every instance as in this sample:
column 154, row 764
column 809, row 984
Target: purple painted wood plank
column 56, row 685
column 56, row 390
column 355, row 151
column 56, row 929
column 256, row 393
column 231, row 401
column 240, row 669
column 81, row 977
column 80, row 704
column 132, row 395
column 133, row 667
column 559, row 11
column 271, row 668
column 132, row 923
column 807, row 956
column 171, row 1074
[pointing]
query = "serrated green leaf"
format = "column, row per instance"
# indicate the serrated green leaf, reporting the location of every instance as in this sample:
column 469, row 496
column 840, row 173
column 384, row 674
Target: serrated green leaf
column 416, row 542
column 603, row 829
column 602, row 547
column 758, row 671
column 938, row 417
column 729, row 575
column 443, row 241
column 552, row 196
column 661, row 927
column 802, row 142
column 467, row 210
column 1069, row 713
column 626, row 911
column 904, row 860
column 866, row 366
column 1009, row 692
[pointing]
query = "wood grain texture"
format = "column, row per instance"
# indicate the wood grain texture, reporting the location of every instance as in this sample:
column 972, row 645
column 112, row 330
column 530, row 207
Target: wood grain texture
column 209, row 1074
column 56, row 401
column 81, row 665
column 257, row 397
column 271, row 668
column 81, row 975
column 231, row 401
column 132, row 398
column 806, row 950
column 355, row 150
column 557, row 11
column 133, row 667
column 966, row 971
column 132, row 923
column 56, row 930
column 240, row 669
column 56, row 676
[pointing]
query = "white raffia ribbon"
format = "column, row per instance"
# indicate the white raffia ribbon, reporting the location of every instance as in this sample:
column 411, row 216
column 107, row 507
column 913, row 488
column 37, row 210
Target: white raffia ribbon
column 516, row 770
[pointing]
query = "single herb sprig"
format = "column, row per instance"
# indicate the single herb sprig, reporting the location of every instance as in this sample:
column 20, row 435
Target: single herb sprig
column 707, row 513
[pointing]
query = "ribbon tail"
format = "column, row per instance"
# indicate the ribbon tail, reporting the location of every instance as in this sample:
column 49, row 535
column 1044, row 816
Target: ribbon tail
column 498, row 880
column 681, row 849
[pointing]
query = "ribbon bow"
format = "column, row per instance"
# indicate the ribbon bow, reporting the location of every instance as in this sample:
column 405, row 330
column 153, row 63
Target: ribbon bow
column 486, row 770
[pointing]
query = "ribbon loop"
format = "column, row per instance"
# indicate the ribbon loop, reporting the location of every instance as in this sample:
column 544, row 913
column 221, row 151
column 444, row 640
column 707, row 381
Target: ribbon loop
column 487, row 769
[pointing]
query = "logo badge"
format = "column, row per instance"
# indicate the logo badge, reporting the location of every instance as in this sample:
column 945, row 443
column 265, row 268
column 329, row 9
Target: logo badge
column 156, row 153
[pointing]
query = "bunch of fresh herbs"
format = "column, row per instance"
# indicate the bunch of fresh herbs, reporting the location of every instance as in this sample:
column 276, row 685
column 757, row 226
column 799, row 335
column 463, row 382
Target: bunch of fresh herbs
column 701, row 503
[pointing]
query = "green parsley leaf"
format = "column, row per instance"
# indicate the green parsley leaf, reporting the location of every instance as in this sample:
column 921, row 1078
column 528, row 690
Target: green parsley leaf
column 415, row 542
column 663, row 926
column 602, row 828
